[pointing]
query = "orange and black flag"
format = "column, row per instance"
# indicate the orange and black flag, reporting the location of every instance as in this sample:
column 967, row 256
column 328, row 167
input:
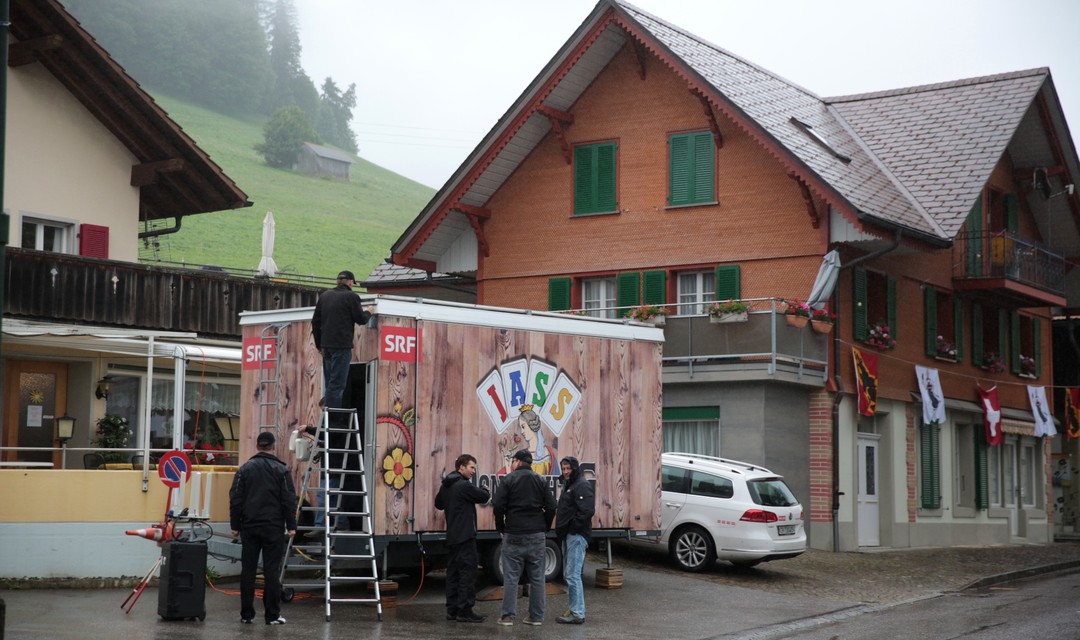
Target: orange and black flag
column 866, row 381
column 1072, row 412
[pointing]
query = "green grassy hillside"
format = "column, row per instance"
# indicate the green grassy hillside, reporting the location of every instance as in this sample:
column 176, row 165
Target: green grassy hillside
column 323, row 225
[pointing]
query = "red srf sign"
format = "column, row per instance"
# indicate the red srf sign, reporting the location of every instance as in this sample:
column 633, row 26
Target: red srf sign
column 259, row 353
column 399, row 344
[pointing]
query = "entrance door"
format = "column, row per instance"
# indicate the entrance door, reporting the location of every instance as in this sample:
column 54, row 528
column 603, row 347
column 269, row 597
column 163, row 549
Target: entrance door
column 1010, row 485
column 869, row 524
column 36, row 395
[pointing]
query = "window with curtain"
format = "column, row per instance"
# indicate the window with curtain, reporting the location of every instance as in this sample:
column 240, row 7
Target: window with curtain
column 696, row 289
column 202, row 399
column 598, row 297
column 692, row 430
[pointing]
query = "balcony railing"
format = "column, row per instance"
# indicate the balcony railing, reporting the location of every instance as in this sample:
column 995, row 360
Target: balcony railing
column 764, row 341
column 1005, row 255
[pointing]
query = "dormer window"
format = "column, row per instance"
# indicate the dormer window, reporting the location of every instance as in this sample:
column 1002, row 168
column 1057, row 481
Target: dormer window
column 819, row 139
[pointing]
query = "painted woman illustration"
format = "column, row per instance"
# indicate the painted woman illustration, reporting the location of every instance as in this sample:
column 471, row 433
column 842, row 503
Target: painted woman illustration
column 529, row 435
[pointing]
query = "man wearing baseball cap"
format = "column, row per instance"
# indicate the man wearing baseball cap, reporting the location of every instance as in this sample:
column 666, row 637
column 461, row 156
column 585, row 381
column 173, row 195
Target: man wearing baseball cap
column 336, row 312
column 524, row 509
column 262, row 512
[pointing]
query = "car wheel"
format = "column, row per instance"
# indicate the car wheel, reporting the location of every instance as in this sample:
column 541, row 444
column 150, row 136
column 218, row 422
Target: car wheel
column 553, row 561
column 692, row 549
column 746, row 564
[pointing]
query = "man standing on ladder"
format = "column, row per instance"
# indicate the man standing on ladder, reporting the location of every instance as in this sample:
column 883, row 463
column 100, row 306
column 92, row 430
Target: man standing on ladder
column 332, row 327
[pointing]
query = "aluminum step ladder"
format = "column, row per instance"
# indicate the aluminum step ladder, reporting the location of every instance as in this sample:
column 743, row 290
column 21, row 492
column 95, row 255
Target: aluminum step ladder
column 346, row 558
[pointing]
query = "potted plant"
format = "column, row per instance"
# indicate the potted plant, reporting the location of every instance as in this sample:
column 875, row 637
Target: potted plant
column 797, row 314
column 992, row 362
column 113, row 433
column 730, row 311
column 1027, row 366
column 945, row 349
column 652, row 313
column 880, row 337
column 822, row 321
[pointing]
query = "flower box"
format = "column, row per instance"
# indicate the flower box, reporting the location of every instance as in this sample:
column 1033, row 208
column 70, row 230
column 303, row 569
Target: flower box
column 821, row 326
column 658, row 321
column 724, row 318
column 796, row 321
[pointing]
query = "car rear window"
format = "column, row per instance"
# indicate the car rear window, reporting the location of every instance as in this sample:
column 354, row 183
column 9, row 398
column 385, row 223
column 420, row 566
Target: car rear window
column 771, row 492
column 704, row 484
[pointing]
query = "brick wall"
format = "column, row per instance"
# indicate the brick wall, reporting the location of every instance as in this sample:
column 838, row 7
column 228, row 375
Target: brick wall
column 821, row 458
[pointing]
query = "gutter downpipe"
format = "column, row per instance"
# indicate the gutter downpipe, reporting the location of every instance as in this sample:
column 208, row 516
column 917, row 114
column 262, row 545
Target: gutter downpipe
column 839, row 380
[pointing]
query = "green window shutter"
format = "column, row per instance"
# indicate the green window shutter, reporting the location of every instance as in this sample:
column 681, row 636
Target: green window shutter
column 1014, row 333
column 958, row 328
column 606, row 165
column 1003, row 334
column 594, row 178
column 727, row 282
column 1012, row 212
column 654, row 284
column 679, row 170
column 930, row 466
column 692, row 168
column 858, row 303
column 1036, row 336
column 930, row 320
column 558, row 294
column 974, row 239
column 890, row 306
column 978, row 352
column 627, row 287
column 982, row 473
column 704, row 167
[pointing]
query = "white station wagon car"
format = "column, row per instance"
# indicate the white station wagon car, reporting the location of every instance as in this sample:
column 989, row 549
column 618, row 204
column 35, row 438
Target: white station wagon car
column 713, row 508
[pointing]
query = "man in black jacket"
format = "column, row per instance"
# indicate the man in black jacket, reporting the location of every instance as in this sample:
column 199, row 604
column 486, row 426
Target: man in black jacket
column 262, row 512
column 458, row 496
column 336, row 311
column 573, row 526
column 524, row 509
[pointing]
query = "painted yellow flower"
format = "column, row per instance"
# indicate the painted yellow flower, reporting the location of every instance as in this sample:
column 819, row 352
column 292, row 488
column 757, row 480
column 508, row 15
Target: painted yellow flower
column 397, row 468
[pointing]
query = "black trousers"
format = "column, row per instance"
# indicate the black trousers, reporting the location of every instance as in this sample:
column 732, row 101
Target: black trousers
column 270, row 543
column 461, row 577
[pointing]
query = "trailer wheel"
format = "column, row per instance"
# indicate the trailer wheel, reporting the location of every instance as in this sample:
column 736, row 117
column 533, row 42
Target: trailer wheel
column 553, row 561
column 287, row 594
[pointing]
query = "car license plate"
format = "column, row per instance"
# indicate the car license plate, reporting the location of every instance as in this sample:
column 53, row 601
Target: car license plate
column 786, row 529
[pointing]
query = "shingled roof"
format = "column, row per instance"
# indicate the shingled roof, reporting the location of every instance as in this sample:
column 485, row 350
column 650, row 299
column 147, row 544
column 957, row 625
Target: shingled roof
column 912, row 159
column 174, row 176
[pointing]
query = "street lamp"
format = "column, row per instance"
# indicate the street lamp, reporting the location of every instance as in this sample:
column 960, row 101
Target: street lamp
column 65, row 428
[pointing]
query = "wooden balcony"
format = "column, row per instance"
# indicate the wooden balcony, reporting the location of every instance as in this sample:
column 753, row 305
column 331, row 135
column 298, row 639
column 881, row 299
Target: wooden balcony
column 1005, row 265
column 44, row 285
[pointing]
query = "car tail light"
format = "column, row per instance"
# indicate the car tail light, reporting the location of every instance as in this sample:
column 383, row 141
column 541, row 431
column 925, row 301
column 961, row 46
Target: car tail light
column 758, row 515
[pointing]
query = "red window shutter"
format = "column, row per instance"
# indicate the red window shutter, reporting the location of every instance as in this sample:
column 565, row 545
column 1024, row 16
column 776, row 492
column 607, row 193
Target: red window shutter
column 93, row 241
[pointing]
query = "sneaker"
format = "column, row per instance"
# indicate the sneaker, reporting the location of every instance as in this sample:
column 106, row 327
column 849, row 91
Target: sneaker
column 280, row 620
column 535, row 623
column 470, row 616
column 507, row 621
column 451, row 616
column 570, row 619
column 317, row 533
column 246, row 620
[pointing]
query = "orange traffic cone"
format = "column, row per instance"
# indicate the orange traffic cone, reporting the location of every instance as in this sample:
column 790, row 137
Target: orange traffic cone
column 155, row 533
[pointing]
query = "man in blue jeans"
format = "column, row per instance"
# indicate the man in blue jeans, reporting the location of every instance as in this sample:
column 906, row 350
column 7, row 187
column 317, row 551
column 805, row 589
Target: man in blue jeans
column 336, row 311
column 524, row 509
column 573, row 526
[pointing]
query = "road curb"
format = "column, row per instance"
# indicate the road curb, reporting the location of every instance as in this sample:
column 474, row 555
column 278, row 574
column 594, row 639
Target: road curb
column 1010, row 576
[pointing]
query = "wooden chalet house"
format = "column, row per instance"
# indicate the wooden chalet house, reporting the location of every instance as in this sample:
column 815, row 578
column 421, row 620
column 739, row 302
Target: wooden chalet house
column 94, row 167
column 646, row 165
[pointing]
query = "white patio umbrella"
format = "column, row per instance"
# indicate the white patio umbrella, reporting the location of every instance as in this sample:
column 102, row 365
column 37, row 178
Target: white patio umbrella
column 267, row 266
column 825, row 281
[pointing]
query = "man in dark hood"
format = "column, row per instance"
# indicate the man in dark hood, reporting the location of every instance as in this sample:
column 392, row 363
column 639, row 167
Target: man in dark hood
column 458, row 496
column 573, row 526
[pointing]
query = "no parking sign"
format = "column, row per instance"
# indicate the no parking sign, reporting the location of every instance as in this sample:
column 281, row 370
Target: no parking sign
column 173, row 468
